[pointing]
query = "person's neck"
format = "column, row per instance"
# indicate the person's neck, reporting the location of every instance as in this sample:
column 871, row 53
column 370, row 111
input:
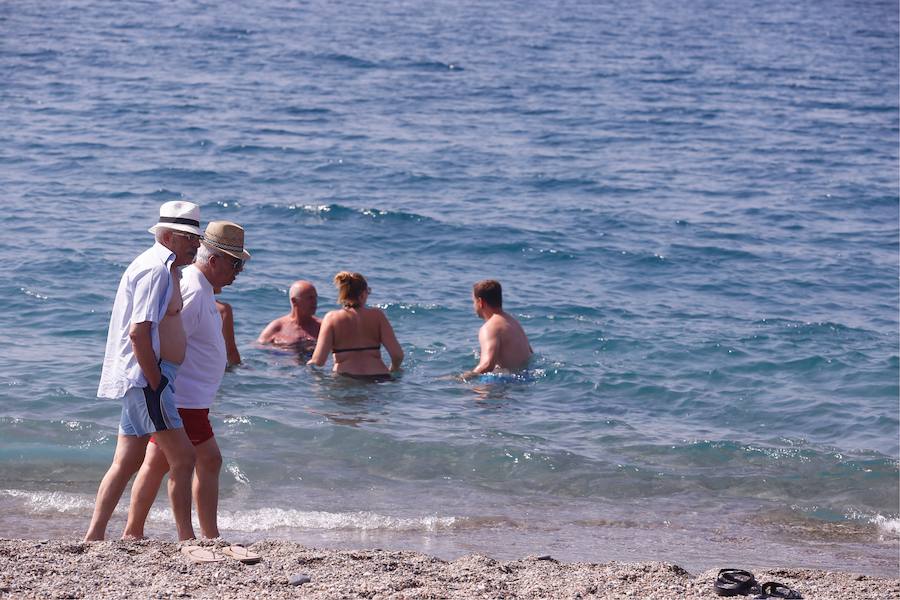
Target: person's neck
column 175, row 263
column 206, row 269
column 488, row 312
column 301, row 320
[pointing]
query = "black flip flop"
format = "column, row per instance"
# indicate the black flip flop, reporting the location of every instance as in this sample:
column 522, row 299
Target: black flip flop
column 734, row 582
column 773, row 589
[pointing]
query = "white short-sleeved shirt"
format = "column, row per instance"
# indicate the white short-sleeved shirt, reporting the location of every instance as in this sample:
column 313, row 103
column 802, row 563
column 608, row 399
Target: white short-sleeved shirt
column 143, row 295
column 204, row 362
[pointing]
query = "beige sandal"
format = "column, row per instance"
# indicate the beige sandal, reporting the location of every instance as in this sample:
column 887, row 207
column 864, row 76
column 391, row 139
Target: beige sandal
column 242, row 554
column 199, row 554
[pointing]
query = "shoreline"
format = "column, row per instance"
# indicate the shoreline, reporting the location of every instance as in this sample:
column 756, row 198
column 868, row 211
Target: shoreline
column 152, row 568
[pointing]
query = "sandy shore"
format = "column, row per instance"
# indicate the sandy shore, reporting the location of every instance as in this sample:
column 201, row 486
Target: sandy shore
column 154, row 569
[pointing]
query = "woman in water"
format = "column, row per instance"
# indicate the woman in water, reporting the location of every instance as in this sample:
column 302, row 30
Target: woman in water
column 355, row 333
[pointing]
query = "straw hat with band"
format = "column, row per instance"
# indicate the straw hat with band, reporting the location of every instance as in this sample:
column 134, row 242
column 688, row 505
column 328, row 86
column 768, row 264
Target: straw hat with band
column 227, row 237
column 179, row 215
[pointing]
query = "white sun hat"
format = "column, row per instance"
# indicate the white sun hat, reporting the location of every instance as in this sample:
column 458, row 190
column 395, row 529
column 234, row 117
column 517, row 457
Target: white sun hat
column 179, row 215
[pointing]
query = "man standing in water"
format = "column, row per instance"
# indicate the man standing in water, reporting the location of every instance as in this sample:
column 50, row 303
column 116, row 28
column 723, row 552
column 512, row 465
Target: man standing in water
column 144, row 347
column 504, row 345
column 218, row 263
column 298, row 329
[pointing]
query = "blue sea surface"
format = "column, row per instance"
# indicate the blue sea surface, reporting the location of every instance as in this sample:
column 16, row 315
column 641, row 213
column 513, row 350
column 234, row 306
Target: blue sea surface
column 693, row 209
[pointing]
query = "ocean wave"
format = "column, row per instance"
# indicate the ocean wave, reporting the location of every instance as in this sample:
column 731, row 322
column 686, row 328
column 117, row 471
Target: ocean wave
column 188, row 176
column 430, row 65
column 714, row 252
column 399, row 308
column 54, row 502
column 399, row 63
column 305, row 110
column 887, row 525
column 263, row 519
column 346, row 60
column 261, row 149
column 338, row 212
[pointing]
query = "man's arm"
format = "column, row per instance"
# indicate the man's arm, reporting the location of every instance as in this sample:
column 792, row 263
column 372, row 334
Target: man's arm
column 231, row 350
column 142, row 346
column 490, row 350
column 149, row 288
column 268, row 334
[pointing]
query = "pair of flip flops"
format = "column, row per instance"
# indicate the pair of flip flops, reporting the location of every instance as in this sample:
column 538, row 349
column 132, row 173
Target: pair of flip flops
column 737, row 582
column 209, row 554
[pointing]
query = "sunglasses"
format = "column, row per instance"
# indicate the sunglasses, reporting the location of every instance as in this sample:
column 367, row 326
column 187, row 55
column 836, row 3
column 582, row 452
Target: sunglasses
column 191, row 237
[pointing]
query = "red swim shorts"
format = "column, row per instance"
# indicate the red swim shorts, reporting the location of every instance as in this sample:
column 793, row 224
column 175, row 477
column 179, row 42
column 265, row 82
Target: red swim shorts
column 196, row 425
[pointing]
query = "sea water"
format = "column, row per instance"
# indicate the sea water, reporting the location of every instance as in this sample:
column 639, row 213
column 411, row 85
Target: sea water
column 692, row 207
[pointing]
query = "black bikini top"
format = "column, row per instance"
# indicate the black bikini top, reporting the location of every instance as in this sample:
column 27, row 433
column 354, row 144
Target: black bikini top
column 336, row 351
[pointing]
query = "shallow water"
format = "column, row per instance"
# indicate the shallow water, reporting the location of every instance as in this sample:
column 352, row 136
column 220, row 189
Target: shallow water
column 693, row 211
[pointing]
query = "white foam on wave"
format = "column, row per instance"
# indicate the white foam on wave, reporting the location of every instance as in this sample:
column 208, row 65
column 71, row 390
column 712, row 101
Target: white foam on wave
column 261, row 519
column 235, row 470
column 59, row 502
column 887, row 525
column 273, row 518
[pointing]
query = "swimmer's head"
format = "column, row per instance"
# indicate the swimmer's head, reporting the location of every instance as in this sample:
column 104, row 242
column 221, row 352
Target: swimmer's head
column 351, row 287
column 487, row 292
column 303, row 295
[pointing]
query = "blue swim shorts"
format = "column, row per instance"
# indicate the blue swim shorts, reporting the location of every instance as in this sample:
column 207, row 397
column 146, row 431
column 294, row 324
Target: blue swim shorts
column 520, row 377
column 145, row 411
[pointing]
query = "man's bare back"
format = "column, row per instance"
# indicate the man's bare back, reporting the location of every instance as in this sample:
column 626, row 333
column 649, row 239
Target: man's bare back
column 504, row 345
column 172, row 339
column 512, row 350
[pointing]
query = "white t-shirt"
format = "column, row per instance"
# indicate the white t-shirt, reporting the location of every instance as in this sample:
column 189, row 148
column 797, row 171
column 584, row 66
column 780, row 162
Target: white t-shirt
column 204, row 362
column 143, row 295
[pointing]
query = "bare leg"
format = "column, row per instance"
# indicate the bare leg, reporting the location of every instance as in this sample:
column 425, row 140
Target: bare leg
column 127, row 460
column 206, row 487
column 144, row 490
column 179, row 453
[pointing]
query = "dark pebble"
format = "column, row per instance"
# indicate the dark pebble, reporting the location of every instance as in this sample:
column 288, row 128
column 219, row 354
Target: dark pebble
column 299, row 579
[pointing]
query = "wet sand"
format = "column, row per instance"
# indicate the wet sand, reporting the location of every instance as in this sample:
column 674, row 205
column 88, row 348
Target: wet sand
column 157, row 569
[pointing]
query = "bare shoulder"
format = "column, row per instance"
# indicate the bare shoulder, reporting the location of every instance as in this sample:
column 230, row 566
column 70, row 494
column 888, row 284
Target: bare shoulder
column 272, row 328
column 491, row 326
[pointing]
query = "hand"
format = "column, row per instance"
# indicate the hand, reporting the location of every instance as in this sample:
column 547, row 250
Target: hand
column 151, row 394
column 163, row 382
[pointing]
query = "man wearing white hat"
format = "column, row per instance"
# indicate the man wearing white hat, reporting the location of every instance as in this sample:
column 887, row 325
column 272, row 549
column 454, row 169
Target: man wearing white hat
column 144, row 347
column 219, row 260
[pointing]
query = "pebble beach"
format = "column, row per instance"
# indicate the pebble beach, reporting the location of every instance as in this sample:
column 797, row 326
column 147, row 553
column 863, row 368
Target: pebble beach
column 156, row 569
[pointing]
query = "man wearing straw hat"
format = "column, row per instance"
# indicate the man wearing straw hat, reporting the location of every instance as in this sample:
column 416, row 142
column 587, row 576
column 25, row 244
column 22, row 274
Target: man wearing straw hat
column 219, row 260
column 144, row 347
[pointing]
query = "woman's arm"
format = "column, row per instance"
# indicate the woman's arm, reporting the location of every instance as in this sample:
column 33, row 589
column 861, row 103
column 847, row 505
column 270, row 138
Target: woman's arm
column 324, row 344
column 389, row 341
